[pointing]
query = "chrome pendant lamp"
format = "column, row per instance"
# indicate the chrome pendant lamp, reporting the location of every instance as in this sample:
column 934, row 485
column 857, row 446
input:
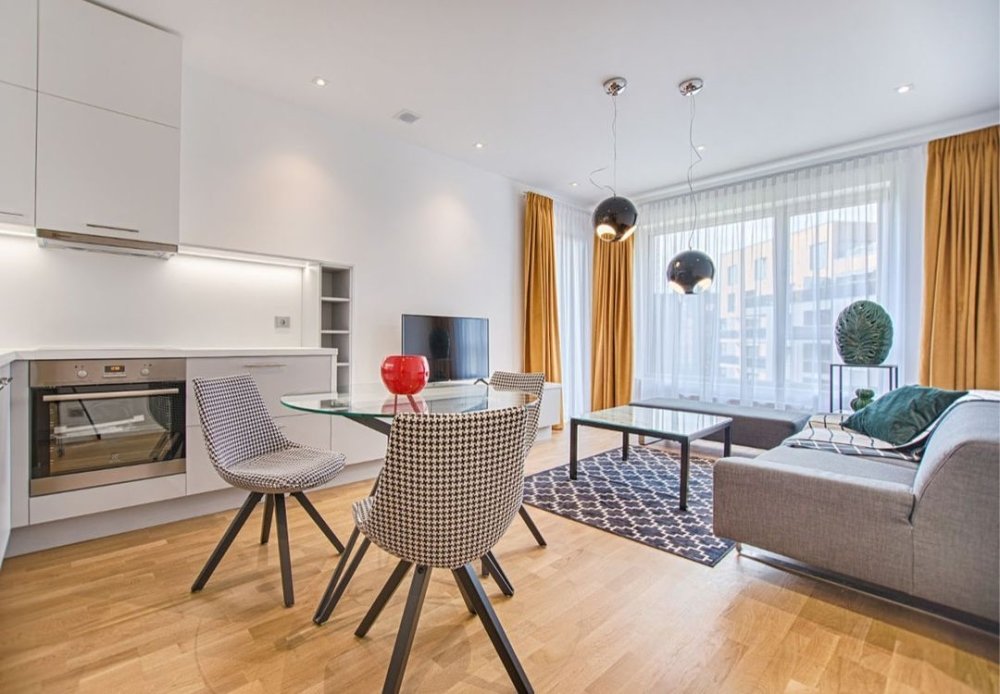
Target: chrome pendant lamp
column 691, row 271
column 615, row 217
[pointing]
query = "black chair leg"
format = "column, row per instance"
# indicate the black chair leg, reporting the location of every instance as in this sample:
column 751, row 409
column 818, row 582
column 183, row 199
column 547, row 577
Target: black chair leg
column 465, row 596
column 531, row 526
column 466, row 576
column 402, row 568
column 498, row 575
column 327, row 606
column 283, row 555
column 318, row 520
column 485, row 571
column 265, row 526
column 227, row 539
column 407, row 629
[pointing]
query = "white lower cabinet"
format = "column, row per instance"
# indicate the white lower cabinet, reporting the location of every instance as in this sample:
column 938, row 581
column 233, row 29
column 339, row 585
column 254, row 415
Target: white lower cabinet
column 274, row 376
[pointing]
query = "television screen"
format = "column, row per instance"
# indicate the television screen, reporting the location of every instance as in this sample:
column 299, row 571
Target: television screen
column 457, row 349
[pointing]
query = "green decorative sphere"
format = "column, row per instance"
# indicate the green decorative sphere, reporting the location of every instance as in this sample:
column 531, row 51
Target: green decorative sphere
column 864, row 334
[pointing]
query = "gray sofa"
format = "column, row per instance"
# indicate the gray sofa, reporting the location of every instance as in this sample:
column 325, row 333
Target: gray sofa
column 931, row 530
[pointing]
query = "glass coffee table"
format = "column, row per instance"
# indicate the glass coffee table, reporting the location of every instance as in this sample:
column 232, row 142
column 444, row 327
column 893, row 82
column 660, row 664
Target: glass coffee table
column 673, row 425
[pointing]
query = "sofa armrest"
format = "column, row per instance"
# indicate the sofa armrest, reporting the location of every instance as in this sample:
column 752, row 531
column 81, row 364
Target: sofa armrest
column 855, row 526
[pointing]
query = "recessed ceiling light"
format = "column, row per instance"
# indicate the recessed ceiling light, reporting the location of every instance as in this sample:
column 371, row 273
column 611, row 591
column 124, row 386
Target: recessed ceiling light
column 408, row 117
column 573, row 184
column 904, row 89
column 319, row 81
column 700, row 148
column 479, row 145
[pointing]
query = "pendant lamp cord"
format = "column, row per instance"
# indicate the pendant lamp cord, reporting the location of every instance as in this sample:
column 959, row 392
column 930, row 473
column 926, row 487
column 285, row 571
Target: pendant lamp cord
column 614, row 156
column 692, row 155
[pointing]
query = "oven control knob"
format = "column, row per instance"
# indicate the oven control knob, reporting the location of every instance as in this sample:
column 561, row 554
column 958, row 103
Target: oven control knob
column 82, row 373
column 144, row 371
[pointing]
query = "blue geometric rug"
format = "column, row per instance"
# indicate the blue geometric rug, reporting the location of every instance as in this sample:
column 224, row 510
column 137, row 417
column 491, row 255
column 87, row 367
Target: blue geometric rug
column 636, row 499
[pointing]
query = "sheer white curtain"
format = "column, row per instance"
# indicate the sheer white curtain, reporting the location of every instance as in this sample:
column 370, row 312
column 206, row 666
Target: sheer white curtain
column 790, row 252
column 574, row 269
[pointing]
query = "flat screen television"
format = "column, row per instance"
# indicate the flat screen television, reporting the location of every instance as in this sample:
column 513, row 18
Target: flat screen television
column 457, row 349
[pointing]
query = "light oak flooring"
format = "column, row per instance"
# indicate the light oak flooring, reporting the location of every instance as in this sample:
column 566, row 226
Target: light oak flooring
column 592, row 613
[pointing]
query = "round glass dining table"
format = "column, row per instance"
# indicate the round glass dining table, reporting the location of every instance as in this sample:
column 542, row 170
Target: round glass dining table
column 372, row 404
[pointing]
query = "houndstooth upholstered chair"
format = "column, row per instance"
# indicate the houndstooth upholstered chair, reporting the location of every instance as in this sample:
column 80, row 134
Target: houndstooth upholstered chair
column 533, row 383
column 249, row 452
column 450, row 488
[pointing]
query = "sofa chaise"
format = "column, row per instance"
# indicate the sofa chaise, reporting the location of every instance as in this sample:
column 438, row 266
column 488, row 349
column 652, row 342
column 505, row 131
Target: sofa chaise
column 930, row 530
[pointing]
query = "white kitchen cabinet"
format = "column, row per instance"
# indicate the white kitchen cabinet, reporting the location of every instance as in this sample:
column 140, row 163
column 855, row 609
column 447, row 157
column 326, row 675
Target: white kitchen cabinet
column 275, row 376
column 17, row 154
column 5, row 482
column 96, row 56
column 18, row 42
column 104, row 173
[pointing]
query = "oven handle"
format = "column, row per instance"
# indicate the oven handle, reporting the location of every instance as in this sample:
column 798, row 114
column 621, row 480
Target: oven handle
column 110, row 395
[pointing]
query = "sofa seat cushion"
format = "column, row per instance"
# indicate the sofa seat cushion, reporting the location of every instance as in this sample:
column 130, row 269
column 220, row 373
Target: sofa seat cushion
column 883, row 469
column 756, row 427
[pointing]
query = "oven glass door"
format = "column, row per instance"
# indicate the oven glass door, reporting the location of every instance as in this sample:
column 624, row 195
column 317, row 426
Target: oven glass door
column 85, row 436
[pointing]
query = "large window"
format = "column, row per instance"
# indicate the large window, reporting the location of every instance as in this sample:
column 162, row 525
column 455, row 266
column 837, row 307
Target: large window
column 791, row 251
column 574, row 266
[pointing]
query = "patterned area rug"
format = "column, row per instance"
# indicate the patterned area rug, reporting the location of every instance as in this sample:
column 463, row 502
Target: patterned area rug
column 636, row 499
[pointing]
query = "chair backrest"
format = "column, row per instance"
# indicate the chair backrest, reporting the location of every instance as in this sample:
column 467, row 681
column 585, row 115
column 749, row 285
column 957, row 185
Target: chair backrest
column 450, row 487
column 235, row 420
column 533, row 383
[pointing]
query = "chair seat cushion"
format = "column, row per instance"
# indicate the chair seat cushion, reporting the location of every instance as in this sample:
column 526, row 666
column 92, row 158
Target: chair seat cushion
column 291, row 469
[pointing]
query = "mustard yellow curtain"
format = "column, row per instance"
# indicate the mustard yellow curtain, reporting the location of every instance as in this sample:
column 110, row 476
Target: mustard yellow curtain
column 541, row 315
column 960, row 348
column 611, row 345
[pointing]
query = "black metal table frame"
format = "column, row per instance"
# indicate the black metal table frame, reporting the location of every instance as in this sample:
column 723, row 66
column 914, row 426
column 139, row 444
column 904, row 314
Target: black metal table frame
column 893, row 370
column 626, row 430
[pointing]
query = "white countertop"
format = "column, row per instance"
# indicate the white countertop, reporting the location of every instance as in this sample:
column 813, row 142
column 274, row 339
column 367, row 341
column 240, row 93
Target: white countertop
column 9, row 355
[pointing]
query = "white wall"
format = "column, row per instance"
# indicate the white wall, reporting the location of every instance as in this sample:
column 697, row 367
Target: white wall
column 66, row 298
column 425, row 234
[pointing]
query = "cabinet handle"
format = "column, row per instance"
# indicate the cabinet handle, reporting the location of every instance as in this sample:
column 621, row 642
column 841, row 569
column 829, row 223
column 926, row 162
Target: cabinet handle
column 264, row 366
column 11, row 214
column 111, row 228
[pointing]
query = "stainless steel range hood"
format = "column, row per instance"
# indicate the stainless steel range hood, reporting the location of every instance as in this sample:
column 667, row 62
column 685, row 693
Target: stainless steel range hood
column 49, row 238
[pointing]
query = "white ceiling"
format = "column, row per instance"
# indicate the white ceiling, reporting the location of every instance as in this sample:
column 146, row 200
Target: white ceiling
column 782, row 77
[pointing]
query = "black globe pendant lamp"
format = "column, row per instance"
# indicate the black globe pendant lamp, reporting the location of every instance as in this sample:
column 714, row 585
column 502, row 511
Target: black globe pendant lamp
column 615, row 217
column 691, row 271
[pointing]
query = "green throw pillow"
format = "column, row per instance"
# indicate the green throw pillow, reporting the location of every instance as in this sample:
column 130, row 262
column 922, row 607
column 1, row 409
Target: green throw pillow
column 901, row 414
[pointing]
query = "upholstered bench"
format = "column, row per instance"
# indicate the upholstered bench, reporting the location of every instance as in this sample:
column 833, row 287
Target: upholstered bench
column 757, row 427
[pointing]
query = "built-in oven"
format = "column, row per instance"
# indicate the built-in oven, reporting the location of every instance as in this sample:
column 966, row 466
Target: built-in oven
column 97, row 422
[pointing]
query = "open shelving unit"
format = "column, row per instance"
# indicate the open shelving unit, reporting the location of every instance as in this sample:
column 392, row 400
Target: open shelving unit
column 335, row 319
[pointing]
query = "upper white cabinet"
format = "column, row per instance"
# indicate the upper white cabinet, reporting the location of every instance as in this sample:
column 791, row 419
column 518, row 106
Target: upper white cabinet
column 95, row 56
column 18, row 37
column 17, row 154
column 106, row 174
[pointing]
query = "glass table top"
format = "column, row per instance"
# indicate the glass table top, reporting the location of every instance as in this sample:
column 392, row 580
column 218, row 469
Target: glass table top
column 373, row 400
column 656, row 419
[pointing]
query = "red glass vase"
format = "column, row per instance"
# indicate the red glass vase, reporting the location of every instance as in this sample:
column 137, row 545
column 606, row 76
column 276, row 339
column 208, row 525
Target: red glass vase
column 405, row 374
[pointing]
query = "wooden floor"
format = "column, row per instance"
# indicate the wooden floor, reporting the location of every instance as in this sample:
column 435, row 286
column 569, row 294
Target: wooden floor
column 592, row 613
